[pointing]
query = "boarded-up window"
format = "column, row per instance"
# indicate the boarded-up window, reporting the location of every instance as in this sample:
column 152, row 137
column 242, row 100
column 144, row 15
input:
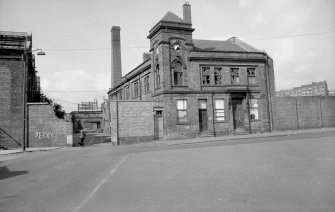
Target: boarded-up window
column 219, row 110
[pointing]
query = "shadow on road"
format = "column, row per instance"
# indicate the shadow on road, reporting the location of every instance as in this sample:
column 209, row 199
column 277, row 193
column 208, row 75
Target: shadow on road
column 6, row 173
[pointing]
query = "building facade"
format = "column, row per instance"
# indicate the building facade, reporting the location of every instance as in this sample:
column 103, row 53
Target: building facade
column 314, row 89
column 200, row 87
column 17, row 78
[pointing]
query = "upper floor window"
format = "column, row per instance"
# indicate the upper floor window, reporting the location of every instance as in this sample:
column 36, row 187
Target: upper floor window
column 251, row 76
column 217, row 76
column 136, row 93
column 253, row 106
column 235, row 76
column 181, row 110
column 119, row 95
column 178, row 73
column 126, row 93
column 157, row 78
column 205, row 75
column 146, row 84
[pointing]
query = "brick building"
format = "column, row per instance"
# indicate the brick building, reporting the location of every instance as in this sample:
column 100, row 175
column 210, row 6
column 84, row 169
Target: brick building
column 88, row 115
column 314, row 89
column 197, row 87
column 15, row 56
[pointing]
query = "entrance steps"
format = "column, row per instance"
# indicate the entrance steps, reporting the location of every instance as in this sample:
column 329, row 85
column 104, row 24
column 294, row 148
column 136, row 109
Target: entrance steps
column 205, row 134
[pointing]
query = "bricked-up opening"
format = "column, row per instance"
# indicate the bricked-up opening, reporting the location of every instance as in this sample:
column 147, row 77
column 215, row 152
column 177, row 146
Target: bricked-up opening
column 187, row 13
column 116, row 57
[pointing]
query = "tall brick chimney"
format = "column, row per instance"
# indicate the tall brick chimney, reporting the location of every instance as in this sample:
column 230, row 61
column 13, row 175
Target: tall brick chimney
column 187, row 13
column 116, row 57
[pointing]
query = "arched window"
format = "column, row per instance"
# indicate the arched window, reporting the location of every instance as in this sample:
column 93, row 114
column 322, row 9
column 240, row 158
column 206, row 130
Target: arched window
column 157, row 78
column 178, row 73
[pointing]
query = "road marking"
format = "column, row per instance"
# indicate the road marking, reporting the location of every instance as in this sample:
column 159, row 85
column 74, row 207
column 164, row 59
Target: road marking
column 98, row 186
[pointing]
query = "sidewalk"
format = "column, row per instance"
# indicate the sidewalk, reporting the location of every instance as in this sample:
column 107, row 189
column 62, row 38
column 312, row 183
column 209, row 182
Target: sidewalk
column 34, row 149
column 236, row 137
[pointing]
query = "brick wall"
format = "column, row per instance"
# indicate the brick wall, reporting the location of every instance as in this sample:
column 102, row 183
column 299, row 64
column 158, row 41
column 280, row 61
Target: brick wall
column 291, row 113
column 11, row 100
column 133, row 122
column 45, row 129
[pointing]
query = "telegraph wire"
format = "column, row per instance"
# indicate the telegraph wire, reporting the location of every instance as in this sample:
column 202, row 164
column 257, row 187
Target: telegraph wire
column 290, row 36
column 138, row 47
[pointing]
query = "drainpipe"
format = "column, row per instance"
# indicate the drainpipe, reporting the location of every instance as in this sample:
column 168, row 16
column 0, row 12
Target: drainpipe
column 321, row 112
column 268, row 96
column 117, row 123
column 213, row 114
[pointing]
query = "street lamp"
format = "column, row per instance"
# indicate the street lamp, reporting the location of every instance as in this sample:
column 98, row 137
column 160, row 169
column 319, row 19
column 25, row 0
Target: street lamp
column 24, row 94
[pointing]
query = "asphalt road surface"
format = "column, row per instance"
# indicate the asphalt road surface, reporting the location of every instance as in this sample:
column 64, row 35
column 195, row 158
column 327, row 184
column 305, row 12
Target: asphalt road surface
column 287, row 173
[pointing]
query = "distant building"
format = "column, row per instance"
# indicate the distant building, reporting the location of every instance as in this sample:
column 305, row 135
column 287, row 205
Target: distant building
column 332, row 92
column 314, row 89
column 88, row 115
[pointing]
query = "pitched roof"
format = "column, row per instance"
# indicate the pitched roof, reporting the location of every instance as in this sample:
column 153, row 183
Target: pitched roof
column 171, row 17
column 230, row 45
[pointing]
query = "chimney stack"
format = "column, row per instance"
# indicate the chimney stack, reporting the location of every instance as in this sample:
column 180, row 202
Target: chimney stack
column 116, row 57
column 187, row 13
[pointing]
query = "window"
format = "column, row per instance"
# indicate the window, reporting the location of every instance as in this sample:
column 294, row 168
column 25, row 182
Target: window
column 157, row 78
column 119, row 95
column 127, row 96
column 178, row 75
column 136, row 94
column 235, row 77
column 217, row 76
column 253, row 109
column 251, row 76
column 219, row 110
column 182, row 111
column 146, row 84
column 205, row 75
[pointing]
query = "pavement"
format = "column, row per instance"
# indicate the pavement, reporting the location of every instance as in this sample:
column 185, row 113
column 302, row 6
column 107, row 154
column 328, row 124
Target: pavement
column 194, row 140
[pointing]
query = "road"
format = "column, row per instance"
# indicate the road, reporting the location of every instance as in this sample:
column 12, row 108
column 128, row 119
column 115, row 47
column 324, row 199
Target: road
column 286, row 173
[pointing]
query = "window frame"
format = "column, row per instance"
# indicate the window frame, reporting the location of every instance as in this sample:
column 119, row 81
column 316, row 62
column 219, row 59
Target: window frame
column 174, row 70
column 252, row 107
column 136, row 89
column 204, row 70
column 219, row 110
column 235, row 76
column 146, row 84
column 183, row 120
column 251, row 76
column 217, row 81
column 157, row 78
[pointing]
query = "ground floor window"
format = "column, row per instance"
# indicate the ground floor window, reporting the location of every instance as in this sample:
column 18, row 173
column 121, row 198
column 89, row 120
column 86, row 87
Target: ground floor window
column 182, row 111
column 219, row 110
column 254, row 109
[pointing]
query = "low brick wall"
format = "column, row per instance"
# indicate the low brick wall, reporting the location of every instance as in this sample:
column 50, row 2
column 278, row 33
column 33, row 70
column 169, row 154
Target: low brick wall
column 45, row 129
column 307, row 112
column 132, row 121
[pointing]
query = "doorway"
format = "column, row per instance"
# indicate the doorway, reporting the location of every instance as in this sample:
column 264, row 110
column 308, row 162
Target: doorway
column 203, row 118
column 238, row 116
column 158, row 124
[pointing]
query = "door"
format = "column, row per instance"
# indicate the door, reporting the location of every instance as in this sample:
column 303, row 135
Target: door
column 158, row 124
column 203, row 120
column 203, row 123
column 238, row 117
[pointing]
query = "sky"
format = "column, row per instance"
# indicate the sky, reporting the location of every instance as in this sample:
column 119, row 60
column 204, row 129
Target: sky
column 75, row 34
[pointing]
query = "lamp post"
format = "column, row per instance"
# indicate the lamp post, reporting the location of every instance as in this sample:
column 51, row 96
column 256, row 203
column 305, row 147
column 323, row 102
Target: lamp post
column 24, row 94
